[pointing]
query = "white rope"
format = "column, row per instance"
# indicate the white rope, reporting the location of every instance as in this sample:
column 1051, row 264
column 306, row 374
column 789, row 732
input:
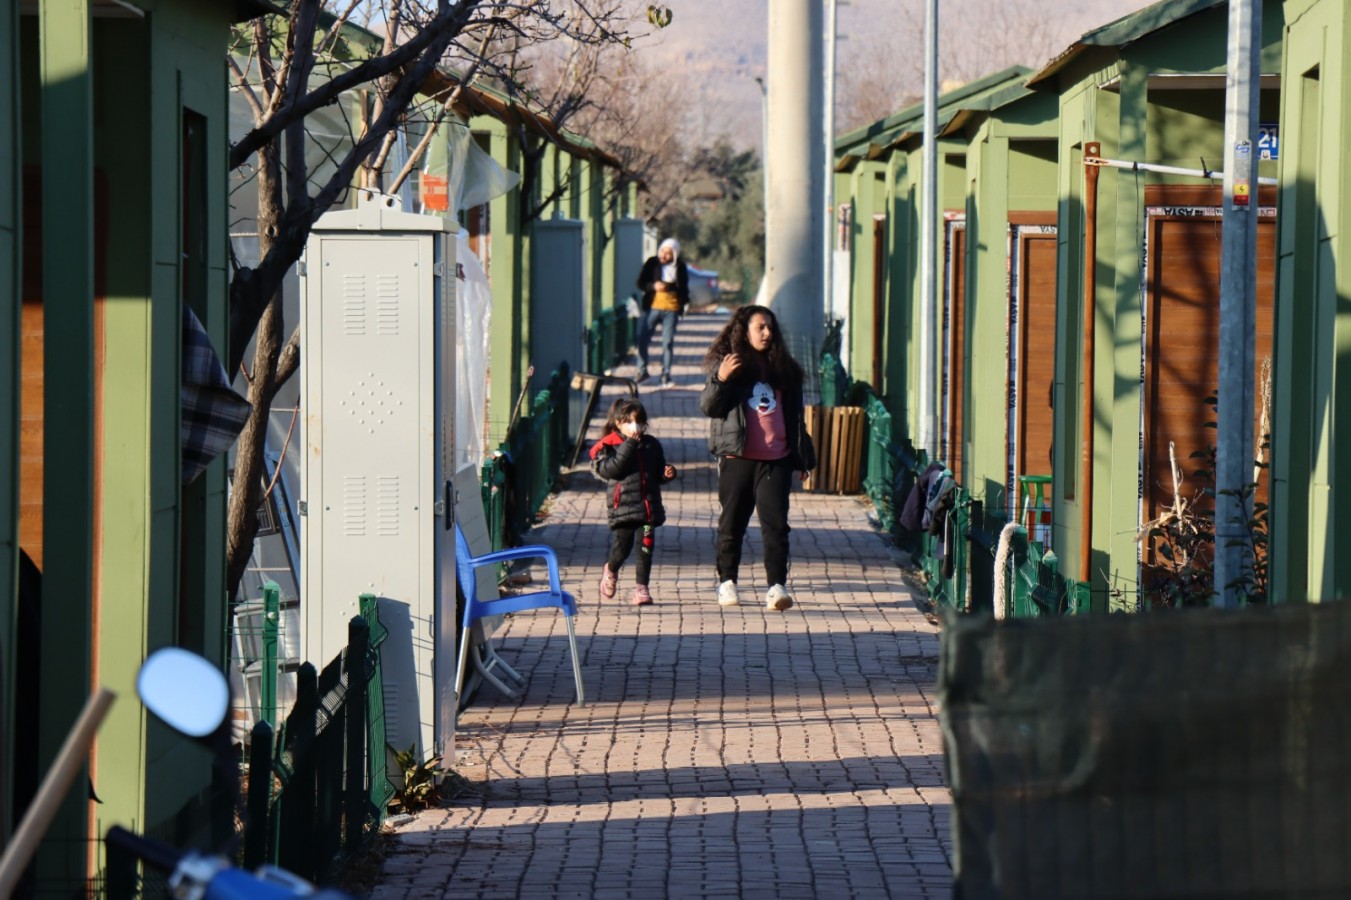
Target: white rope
column 1001, row 570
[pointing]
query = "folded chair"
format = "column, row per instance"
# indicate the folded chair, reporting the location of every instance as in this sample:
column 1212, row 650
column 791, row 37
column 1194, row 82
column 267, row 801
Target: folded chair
column 475, row 608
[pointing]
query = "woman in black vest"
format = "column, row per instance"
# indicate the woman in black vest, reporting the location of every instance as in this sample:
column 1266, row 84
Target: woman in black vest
column 754, row 397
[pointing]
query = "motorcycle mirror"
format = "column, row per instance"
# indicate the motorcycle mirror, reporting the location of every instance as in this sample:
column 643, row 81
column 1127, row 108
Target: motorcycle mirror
column 185, row 690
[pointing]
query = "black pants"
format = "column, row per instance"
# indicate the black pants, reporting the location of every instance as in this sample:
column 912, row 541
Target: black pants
column 621, row 545
column 751, row 484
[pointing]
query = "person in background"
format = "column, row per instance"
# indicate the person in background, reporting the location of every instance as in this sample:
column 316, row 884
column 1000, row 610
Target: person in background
column 753, row 396
column 665, row 283
column 633, row 466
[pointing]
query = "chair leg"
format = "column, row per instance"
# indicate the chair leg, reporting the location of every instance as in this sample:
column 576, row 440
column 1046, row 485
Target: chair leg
column 468, row 647
column 485, row 670
column 495, row 659
column 576, row 662
column 462, row 665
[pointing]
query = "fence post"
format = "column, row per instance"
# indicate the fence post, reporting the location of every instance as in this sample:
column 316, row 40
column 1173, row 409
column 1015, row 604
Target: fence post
column 980, row 561
column 268, row 675
column 960, row 547
column 120, row 879
column 298, row 797
column 1020, row 591
column 493, row 481
column 378, row 784
column 358, row 681
column 256, row 829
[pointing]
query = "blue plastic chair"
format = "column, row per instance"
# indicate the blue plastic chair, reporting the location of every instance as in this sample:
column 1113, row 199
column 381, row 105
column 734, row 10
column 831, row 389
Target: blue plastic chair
column 466, row 567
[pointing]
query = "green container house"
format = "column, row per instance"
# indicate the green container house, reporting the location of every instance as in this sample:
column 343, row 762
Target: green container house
column 1312, row 317
column 1141, row 250
column 882, row 193
column 998, row 353
column 112, row 225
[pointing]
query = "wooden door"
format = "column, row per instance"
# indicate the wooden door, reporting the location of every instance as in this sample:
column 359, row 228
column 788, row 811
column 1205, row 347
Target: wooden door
column 32, row 349
column 1032, row 245
column 1181, row 338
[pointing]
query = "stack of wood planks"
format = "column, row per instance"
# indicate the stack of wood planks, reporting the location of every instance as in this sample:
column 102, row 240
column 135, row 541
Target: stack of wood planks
column 837, row 434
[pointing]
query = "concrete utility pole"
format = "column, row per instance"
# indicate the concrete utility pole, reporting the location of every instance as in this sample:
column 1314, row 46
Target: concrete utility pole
column 928, row 228
column 795, row 163
column 1238, row 297
column 764, row 138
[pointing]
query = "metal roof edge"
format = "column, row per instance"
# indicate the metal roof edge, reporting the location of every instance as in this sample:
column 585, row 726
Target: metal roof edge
column 900, row 124
column 952, row 104
column 1120, row 32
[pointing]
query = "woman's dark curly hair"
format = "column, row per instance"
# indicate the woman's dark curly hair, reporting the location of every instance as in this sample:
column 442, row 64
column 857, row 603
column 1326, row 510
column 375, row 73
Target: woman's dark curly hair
column 783, row 370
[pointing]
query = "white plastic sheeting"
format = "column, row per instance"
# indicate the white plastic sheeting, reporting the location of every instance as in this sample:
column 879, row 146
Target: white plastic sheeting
column 472, row 176
column 473, row 310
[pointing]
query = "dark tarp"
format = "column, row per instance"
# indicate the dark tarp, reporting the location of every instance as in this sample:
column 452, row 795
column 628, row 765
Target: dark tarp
column 1198, row 753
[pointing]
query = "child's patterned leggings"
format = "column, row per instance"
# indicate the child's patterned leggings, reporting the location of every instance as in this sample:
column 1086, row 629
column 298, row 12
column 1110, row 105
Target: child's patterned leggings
column 621, row 545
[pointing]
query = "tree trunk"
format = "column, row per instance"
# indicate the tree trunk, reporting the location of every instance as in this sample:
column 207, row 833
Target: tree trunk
column 246, row 493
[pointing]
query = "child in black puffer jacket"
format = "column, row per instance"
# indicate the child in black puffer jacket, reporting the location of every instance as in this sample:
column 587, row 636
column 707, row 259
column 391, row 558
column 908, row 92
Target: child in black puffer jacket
column 633, row 466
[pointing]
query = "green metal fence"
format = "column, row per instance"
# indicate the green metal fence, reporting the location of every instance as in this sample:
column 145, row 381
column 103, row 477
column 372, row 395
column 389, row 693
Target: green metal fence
column 318, row 792
column 608, row 340
column 958, row 565
column 835, row 381
column 1036, row 588
column 947, row 556
column 884, row 460
column 517, row 479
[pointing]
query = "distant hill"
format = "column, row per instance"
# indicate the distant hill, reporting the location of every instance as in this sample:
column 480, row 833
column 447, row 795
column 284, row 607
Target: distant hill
column 716, row 48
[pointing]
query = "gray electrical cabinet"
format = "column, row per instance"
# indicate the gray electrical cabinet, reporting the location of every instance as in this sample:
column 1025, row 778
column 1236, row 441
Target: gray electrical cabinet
column 377, row 393
column 558, row 313
column 629, row 257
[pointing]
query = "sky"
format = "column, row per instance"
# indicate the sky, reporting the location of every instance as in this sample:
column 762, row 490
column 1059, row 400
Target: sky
column 717, row 48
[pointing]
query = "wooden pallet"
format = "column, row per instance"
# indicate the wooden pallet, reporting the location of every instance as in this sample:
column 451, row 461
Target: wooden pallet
column 837, row 433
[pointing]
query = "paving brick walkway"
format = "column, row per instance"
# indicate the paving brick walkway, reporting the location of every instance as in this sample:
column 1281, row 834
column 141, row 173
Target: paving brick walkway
column 722, row 752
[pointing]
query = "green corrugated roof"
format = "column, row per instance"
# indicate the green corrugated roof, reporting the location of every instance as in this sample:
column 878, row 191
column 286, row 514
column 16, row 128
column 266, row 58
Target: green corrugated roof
column 1125, row 30
column 871, row 140
column 910, row 121
column 986, row 104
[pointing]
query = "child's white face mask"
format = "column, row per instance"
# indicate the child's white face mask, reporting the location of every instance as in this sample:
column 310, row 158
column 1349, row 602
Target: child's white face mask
column 631, row 429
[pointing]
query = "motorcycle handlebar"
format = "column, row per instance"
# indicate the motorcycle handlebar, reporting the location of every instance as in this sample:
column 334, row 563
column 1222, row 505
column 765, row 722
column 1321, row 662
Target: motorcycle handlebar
column 162, row 856
column 214, row 876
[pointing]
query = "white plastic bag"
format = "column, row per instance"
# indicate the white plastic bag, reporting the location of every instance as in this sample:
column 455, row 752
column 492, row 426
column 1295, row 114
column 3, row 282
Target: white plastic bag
column 474, row 304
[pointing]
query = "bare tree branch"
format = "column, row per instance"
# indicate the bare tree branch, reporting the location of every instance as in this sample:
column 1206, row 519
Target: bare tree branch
column 435, row 34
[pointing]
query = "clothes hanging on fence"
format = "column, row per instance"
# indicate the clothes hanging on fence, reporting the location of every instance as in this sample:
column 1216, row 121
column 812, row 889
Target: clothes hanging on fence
column 912, row 511
column 938, row 501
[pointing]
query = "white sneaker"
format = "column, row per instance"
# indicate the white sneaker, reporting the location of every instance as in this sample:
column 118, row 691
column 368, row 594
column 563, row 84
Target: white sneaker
column 778, row 598
column 727, row 595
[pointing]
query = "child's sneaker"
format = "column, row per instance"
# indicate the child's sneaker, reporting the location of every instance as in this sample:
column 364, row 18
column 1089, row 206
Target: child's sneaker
column 778, row 598
column 641, row 596
column 609, row 582
column 727, row 595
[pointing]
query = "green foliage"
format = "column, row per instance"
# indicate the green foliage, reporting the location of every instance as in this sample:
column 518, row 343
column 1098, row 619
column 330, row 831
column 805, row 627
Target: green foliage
column 421, row 780
column 726, row 235
column 659, row 14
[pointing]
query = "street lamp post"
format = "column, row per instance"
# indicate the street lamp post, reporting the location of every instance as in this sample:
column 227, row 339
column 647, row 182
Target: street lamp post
column 828, row 257
column 928, row 437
